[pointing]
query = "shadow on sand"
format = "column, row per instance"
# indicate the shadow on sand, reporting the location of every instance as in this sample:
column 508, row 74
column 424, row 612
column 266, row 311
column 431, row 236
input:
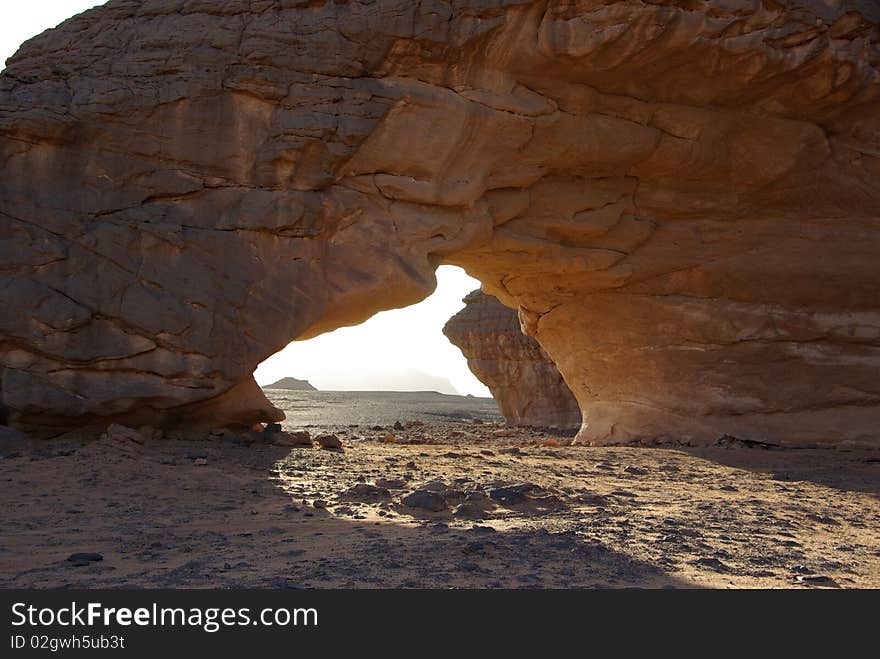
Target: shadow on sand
column 840, row 469
column 159, row 521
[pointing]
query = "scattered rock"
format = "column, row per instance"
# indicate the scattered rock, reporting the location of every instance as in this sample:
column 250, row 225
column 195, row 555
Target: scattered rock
column 329, row 442
column 503, row 432
column 398, row 425
column 200, row 462
column 635, row 471
column 388, row 438
column 319, row 503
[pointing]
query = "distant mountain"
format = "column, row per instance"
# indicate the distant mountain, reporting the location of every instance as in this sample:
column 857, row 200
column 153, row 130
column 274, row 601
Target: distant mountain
column 292, row 384
column 391, row 380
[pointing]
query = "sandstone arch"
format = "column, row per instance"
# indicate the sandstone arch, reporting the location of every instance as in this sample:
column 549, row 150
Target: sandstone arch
column 682, row 199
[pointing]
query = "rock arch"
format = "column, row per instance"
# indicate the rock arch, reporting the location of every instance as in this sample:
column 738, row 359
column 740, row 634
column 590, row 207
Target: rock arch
column 681, row 199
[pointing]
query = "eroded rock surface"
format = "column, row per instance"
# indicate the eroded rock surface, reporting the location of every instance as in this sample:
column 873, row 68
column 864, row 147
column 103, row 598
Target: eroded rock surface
column 682, row 199
column 523, row 380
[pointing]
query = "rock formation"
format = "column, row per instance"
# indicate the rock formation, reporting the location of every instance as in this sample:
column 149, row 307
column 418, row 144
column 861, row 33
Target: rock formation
column 681, row 198
column 291, row 384
column 524, row 381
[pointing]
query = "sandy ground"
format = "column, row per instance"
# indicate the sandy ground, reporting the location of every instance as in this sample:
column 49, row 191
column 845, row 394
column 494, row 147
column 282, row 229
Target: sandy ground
column 517, row 511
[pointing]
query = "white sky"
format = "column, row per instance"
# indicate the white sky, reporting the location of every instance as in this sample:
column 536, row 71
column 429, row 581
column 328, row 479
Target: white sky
column 22, row 19
column 389, row 351
column 393, row 350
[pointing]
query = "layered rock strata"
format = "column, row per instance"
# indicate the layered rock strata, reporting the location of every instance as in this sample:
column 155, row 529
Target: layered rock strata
column 681, row 198
column 523, row 380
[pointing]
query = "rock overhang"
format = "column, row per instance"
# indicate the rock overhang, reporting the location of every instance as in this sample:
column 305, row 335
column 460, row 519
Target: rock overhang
column 679, row 199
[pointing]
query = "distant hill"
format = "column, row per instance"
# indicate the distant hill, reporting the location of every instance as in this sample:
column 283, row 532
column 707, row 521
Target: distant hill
column 384, row 380
column 292, row 384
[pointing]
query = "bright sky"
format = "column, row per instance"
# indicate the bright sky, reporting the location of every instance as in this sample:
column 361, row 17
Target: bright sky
column 21, row 20
column 395, row 350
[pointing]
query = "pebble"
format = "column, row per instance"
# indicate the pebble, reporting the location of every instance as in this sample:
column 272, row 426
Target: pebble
column 636, row 471
column 200, row 462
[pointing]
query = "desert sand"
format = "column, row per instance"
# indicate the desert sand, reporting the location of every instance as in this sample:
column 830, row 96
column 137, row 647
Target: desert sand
column 225, row 513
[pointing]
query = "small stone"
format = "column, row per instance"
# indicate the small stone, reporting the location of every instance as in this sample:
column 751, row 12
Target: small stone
column 319, row 503
column 296, row 438
column 426, row 500
column 398, row 425
column 84, row 558
column 329, row 442
column 504, row 432
column 200, row 462
column 388, row 438
column 635, row 471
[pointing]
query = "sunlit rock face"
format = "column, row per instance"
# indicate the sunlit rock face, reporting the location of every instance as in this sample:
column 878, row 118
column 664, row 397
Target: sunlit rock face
column 681, row 198
column 523, row 380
